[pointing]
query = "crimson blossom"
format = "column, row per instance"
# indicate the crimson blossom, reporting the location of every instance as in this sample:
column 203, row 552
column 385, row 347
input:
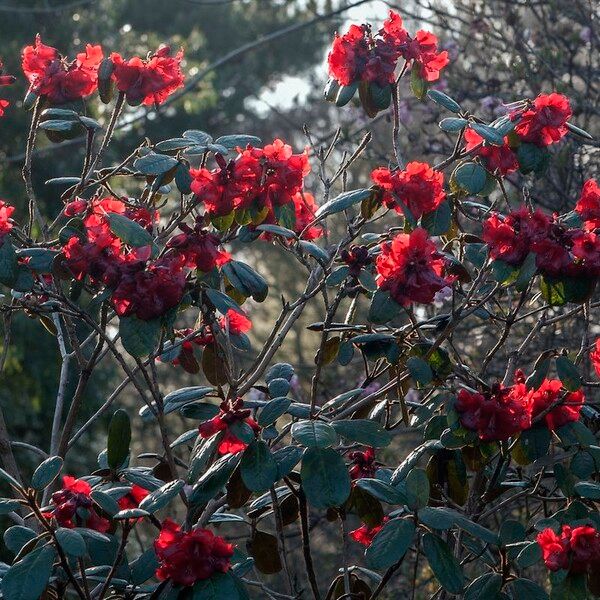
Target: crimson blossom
column 496, row 414
column 364, row 534
column 411, row 268
column 595, row 357
column 229, row 414
column 505, row 411
column 574, row 549
column 72, row 506
column 544, row 121
column 6, row 210
column 149, row 81
column 54, row 78
column 499, row 159
column 186, row 557
column 4, row 81
column 588, row 204
column 418, row 187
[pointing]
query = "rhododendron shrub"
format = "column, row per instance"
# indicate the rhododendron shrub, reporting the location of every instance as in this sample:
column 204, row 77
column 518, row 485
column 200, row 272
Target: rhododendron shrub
column 431, row 456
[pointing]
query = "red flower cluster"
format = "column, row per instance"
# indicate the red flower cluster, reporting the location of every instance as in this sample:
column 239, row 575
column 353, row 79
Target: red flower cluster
column 149, row 81
column 73, row 507
column 595, row 357
column 418, row 187
column 360, row 56
column 588, row 205
column 228, row 415
column 305, row 208
column 363, row 463
column 411, row 268
column 141, row 286
column 575, row 549
column 132, row 498
column 4, row 81
column 356, row 259
column 421, row 51
column 505, row 411
column 54, row 78
column 499, row 159
column 189, row 556
column 6, row 210
column 559, row 250
column 544, row 121
column 258, row 179
column 364, row 535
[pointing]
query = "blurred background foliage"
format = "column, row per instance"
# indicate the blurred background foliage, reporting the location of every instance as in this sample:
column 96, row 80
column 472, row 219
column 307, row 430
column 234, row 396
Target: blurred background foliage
column 501, row 51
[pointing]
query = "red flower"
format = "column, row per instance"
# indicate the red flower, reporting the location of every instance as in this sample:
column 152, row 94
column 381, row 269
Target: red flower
column 588, row 205
column 4, row 81
column 422, row 50
column 214, row 190
column 411, row 268
column 133, row 498
column 199, row 248
column 228, row 415
column 6, row 210
column 510, row 238
column 544, row 121
column 364, row 535
column 73, row 507
column 548, row 394
column 574, row 549
column 497, row 414
column 595, row 357
column 149, row 81
column 363, row 463
column 496, row 158
column 189, row 556
column 153, row 291
column 357, row 56
column 305, row 208
column 418, row 187
column 237, row 322
column 54, row 78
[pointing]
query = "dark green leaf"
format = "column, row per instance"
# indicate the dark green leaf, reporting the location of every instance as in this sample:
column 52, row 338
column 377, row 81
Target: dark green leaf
column 46, row 473
column 383, row 308
column 568, row 374
column 71, row 542
column 363, row 431
column 445, row 567
column 342, row 202
column 162, row 496
column 139, row 337
column 314, row 434
column 119, row 437
column 258, row 467
column 325, row 478
column 128, row 231
column 438, row 221
column 390, row 544
column 155, row 164
column 470, row 177
column 27, row 579
column 246, row 280
column 444, row 100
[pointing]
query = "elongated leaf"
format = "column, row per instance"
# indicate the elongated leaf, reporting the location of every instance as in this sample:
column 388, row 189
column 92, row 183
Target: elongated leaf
column 390, row 544
column 119, row 438
column 129, row 231
column 314, row 434
column 258, row 467
column 342, row 202
column 27, row 579
column 325, row 478
column 162, row 496
column 363, row 431
column 445, row 567
column 46, row 473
